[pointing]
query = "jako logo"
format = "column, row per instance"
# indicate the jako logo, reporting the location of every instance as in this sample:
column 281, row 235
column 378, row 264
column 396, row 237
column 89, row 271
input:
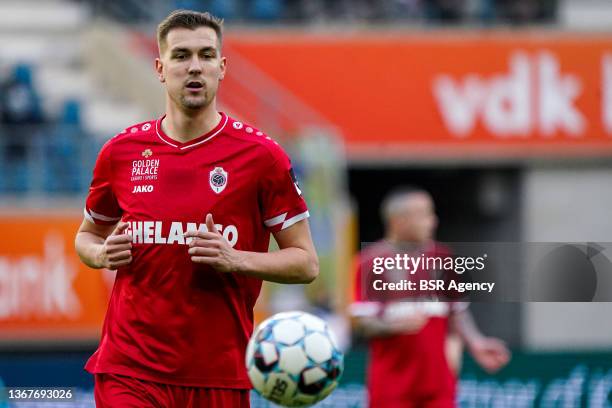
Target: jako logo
column 143, row 189
column 533, row 95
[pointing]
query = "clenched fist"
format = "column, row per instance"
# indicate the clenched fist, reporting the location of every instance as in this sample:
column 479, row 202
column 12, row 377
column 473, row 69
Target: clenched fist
column 210, row 248
column 117, row 248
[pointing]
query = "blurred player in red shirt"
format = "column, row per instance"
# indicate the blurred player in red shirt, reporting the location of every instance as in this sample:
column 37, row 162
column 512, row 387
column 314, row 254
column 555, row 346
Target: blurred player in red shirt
column 408, row 366
column 183, row 207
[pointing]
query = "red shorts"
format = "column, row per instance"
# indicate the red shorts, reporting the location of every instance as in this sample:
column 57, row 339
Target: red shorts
column 437, row 402
column 112, row 391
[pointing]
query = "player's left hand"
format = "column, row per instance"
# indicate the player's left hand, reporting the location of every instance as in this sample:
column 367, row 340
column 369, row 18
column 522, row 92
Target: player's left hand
column 490, row 353
column 211, row 248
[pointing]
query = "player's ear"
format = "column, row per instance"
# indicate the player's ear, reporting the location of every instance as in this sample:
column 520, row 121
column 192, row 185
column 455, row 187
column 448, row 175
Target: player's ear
column 223, row 64
column 159, row 67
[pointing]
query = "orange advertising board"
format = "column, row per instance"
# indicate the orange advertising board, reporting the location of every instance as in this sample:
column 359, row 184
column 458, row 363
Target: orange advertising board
column 46, row 293
column 432, row 93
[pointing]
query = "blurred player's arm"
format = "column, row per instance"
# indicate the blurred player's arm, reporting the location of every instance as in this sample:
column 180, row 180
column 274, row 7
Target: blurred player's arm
column 368, row 316
column 374, row 326
column 103, row 246
column 490, row 353
column 295, row 262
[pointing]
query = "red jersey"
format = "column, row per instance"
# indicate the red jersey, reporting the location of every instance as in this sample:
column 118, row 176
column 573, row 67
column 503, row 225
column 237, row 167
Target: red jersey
column 403, row 368
column 170, row 320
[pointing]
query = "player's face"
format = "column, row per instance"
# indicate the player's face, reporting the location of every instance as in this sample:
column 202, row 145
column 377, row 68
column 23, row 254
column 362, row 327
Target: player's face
column 191, row 67
column 418, row 221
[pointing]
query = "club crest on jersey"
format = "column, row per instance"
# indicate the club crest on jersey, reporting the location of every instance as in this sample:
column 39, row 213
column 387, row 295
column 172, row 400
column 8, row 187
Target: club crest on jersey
column 218, row 179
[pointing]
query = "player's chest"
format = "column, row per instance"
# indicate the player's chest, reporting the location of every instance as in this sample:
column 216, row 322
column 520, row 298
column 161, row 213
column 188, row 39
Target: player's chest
column 162, row 183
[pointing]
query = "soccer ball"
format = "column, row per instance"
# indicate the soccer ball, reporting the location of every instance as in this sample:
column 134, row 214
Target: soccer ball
column 293, row 359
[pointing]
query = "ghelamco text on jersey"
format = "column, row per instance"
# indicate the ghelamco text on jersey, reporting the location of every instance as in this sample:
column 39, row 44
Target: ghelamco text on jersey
column 153, row 232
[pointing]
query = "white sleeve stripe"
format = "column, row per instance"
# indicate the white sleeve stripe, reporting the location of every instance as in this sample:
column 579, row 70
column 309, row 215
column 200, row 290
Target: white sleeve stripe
column 275, row 220
column 364, row 309
column 295, row 219
column 87, row 216
column 100, row 216
column 457, row 307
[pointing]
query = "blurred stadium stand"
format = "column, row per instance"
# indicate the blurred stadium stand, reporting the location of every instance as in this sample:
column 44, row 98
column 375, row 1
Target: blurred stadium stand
column 54, row 114
column 343, row 11
column 74, row 73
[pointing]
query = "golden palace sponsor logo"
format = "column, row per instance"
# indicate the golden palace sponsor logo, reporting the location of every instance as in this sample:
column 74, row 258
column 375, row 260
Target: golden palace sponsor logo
column 143, row 170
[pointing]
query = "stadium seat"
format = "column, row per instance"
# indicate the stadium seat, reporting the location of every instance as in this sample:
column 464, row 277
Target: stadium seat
column 62, row 148
column 20, row 100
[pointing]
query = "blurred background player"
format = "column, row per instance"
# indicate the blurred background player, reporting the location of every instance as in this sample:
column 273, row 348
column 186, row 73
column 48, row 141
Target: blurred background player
column 181, row 311
column 408, row 362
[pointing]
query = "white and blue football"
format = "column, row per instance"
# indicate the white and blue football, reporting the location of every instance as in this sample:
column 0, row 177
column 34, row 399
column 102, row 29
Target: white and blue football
column 293, row 359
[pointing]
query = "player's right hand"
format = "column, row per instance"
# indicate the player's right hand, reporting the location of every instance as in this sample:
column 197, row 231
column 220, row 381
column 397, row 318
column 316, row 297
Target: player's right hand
column 117, row 248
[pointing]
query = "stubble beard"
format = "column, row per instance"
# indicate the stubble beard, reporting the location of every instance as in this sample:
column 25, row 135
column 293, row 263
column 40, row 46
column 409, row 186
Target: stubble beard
column 194, row 103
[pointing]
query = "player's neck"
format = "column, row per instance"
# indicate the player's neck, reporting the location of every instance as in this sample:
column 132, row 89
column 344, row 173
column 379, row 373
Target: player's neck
column 184, row 127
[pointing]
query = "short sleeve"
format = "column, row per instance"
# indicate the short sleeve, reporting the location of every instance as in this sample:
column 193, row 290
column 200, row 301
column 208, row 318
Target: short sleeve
column 458, row 307
column 361, row 306
column 280, row 196
column 101, row 206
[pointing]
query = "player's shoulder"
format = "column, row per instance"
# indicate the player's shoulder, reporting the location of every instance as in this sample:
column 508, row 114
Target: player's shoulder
column 376, row 249
column 134, row 131
column 250, row 134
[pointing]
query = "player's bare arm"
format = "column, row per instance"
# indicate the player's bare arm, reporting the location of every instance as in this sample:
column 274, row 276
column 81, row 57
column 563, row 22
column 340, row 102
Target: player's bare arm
column 295, row 262
column 489, row 352
column 104, row 246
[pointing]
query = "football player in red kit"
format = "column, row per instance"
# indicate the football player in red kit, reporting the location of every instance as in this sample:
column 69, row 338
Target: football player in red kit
column 183, row 207
column 408, row 366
